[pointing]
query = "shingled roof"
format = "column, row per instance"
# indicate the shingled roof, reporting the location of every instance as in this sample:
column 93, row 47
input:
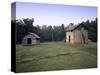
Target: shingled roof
column 33, row 34
column 69, row 28
column 72, row 27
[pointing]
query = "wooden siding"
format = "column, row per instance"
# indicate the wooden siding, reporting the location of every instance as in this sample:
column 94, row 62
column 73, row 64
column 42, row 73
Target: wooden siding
column 79, row 35
column 33, row 40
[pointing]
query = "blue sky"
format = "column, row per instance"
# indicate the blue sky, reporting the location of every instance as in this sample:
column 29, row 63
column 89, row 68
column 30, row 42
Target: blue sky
column 55, row 14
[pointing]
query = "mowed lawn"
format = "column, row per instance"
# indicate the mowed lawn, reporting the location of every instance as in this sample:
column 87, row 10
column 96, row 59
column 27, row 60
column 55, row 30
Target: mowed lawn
column 55, row 56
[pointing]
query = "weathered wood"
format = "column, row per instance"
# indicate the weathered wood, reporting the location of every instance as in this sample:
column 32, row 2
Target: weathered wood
column 34, row 39
column 78, row 35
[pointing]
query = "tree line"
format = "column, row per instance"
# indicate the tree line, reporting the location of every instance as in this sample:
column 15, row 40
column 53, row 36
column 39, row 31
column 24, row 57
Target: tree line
column 49, row 33
column 92, row 29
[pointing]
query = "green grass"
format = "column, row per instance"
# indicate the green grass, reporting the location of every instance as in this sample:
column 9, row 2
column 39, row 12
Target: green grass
column 55, row 56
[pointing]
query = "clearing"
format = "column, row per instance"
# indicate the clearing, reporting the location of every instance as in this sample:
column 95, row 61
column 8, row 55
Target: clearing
column 55, row 56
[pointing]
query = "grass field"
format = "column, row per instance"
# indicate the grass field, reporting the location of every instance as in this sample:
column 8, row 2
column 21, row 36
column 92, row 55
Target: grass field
column 55, row 56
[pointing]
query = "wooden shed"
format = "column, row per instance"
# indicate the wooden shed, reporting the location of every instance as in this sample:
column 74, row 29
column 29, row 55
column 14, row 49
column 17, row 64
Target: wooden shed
column 77, row 34
column 31, row 39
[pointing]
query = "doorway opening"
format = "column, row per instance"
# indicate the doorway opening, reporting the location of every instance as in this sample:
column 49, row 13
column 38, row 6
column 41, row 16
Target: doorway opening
column 29, row 40
column 69, row 39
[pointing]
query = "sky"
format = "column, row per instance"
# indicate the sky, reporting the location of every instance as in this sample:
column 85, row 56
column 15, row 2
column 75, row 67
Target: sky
column 54, row 14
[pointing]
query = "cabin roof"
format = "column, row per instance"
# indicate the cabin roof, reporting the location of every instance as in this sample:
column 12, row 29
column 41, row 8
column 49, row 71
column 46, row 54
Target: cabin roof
column 69, row 28
column 33, row 34
column 73, row 27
